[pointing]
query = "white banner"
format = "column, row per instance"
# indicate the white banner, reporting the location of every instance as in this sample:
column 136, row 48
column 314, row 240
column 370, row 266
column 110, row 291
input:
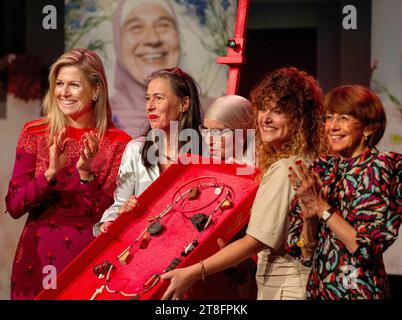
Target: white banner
column 386, row 55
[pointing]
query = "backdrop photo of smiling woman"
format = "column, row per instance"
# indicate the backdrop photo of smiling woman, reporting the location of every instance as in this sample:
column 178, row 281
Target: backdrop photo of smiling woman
column 146, row 38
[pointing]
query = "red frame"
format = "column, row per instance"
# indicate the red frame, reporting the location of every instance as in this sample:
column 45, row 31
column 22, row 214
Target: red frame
column 235, row 56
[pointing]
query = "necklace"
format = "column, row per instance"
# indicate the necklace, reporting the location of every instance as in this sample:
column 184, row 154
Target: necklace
column 200, row 221
column 148, row 285
column 191, row 191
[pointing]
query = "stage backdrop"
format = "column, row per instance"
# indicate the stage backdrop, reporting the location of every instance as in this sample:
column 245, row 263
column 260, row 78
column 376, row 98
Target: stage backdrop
column 136, row 37
column 19, row 102
column 189, row 34
column 386, row 55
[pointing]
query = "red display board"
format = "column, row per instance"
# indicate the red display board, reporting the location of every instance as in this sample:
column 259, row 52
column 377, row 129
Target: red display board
column 213, row 192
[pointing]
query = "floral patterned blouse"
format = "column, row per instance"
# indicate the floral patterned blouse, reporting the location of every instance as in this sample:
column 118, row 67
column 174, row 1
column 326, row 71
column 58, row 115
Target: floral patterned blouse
column 367, row 192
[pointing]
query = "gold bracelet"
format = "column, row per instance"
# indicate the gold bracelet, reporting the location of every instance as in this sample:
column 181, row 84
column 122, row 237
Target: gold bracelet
column 302, row 243
column 202, row 270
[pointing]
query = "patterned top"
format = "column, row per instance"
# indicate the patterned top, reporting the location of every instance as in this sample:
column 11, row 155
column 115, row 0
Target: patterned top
column 367, row 192
column 61, row 215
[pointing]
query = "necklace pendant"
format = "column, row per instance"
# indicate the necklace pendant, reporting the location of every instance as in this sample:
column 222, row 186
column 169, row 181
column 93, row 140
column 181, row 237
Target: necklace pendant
column 145, row 240
column 194, row 193
column 208, row 221
column 226, row 204
column 150, row 283
column 189, row 248
column 125, row 257
column 199, row 220
column 155, row 228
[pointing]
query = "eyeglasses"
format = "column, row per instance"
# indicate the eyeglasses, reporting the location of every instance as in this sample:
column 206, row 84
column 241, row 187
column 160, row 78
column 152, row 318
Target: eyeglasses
column 343, row 119
column 215, row 132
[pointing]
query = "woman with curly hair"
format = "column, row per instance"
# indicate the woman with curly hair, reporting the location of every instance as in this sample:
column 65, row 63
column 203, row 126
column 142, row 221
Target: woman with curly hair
column 288, row 103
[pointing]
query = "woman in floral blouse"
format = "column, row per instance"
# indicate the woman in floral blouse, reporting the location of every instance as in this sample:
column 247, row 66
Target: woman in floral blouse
column 347, row 209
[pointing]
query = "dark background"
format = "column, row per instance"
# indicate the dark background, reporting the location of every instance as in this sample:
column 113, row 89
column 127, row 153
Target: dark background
column 307, row 34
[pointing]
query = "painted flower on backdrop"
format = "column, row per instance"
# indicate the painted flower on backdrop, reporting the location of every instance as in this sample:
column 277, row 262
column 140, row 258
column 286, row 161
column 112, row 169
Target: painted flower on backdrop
column 24, row 77
column 381, row 89
column 214, row 17
column 83, row 16
column 216, row 20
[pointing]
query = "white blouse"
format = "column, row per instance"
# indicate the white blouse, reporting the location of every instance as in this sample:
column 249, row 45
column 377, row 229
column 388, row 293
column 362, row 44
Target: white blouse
column 133, row 178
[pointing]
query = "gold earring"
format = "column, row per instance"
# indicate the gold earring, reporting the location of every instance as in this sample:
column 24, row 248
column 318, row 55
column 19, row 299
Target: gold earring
column 365, row 139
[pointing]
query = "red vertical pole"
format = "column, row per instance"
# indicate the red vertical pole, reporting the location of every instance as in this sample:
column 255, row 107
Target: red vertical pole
column 236, row 48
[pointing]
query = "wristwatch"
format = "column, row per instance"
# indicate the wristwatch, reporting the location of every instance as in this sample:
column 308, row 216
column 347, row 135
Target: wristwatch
column 327, row 214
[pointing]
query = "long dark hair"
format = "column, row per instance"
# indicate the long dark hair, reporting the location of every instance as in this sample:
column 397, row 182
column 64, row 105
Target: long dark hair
column 183, row 85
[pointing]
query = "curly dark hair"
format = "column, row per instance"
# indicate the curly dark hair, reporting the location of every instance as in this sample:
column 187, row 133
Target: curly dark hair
column 299, row 97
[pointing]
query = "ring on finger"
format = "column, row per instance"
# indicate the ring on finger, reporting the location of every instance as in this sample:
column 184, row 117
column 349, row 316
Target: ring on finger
column 297, row 186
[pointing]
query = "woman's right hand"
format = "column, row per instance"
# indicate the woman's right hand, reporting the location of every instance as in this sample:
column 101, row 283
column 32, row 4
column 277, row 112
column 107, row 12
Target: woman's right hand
column 181, row 280
column 126, row 207
column 129, row 205
column 57, row 155
column 104, row 226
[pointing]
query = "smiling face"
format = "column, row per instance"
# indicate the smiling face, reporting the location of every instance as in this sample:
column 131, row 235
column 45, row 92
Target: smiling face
column 220, row 140
column 274, row 127
column 149, row 41
column 345, row 134
column 162, row 104
column 73, row 92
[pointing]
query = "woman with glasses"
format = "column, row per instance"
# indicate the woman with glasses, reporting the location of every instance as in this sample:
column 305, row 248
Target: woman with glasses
column 288, row 103
column 171, row 97
column 348, row 206
column 225, row 126
column 227, row 130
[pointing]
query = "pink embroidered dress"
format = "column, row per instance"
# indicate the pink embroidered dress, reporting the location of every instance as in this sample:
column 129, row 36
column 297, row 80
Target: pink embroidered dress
column 61, row 215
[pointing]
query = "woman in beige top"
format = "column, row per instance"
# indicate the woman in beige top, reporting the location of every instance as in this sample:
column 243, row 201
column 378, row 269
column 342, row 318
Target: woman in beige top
column 288, row 103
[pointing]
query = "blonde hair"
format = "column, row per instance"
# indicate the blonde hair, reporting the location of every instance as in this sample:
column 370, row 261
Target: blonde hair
column 299, row 97
column 92, row 67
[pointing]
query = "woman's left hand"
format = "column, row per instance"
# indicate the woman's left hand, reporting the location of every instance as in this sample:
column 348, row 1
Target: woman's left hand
column 87, row 154
column 309, row 189
column 181, row 280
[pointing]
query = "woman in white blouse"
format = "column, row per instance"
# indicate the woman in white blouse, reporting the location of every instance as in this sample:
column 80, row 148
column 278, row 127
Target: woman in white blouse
column 172, row 105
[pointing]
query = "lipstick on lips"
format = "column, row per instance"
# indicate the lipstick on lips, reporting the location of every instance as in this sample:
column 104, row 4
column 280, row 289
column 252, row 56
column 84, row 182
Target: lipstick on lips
column 152, row 116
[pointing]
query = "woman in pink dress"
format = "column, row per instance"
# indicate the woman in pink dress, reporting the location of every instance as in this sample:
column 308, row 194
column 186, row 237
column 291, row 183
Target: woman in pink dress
column 64, row 173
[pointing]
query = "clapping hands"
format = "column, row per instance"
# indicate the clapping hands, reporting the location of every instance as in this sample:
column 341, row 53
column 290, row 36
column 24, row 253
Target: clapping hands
column 57, row 155
column 310, row 190
column 87, row 154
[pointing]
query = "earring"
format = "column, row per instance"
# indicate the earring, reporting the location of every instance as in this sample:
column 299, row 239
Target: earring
column 95, row 98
